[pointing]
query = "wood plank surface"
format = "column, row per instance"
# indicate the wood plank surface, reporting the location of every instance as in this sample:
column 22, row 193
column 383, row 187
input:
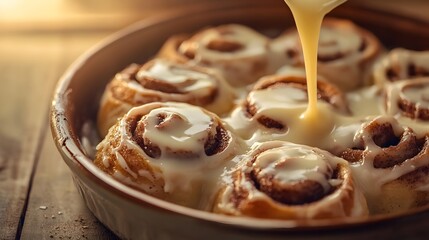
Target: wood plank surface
column 55, row 209
column 65, row 216
column 28, row 69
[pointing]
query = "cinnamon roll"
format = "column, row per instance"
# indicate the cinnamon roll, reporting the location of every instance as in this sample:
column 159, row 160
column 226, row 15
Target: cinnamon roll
column 391, row 164
column 346, row 52
column 169, row 49
column 273, row 108
column 239, row 53
column 401, row 64
column 281, row 180
column 163, row 80
column 167, row 150
column 408, row 98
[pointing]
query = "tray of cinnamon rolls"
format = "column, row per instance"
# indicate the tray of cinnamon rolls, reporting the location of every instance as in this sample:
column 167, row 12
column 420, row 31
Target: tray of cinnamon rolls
column 210, row 121
column 206, row 109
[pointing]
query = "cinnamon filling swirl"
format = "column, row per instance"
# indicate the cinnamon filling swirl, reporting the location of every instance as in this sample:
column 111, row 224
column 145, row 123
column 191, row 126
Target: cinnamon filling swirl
column 408, row 98
column 290, row 91
column 386, row 142
column 170, row 78
column 162, row 80
column 401, row 64
column 280, row 177
column 164, row 149
column 239, row 53
column 346, row 52
column 332, row 47
column 274, row 176
column 412, row 71
column 295, row 193
column 223, row 45
column 177, row 133
column 414, row 99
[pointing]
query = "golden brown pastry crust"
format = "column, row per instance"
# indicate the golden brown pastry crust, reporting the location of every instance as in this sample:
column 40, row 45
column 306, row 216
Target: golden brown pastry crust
column 408, row 98
column 401, row 64
column 140, row 84
column 239, row 53
column 395, row 160
column 345, row 63
column 247, row 192
column 139, row 152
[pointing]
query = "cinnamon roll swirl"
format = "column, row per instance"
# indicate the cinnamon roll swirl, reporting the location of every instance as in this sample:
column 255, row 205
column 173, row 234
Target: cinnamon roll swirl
column 401, row 64
column 273, row 108
column 166, row 149
column 163, row 80
column 282, row 180
column 391, row 164
column 346, row 52
column 238, row 52
column 409, row 98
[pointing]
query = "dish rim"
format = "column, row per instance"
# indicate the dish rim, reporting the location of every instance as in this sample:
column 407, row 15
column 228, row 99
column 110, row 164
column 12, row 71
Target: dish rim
column 69, row 146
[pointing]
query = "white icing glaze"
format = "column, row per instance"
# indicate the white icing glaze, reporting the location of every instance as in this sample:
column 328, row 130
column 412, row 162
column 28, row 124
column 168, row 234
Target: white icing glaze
column 417, row 94
column 371, row 179
column 294, row 164
column 342, row 137
column 365, row 102
column 289, row 162
column 285, row 104
column 308, row 17
column 294, row 71
column 183, row 129
column 399, row 60
column 186, row 128
column 333, row 41
column 341, row 57
column 191, row 83
column 181, row 76
column 286, row 96
column 191, row 126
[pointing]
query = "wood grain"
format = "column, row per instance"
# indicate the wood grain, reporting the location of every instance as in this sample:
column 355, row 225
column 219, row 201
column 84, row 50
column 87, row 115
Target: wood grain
column 26, row 82
column 30, row 70
column 65, row 216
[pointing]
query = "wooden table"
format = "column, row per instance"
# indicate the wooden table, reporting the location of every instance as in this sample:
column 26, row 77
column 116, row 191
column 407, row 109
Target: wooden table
column 37, row 42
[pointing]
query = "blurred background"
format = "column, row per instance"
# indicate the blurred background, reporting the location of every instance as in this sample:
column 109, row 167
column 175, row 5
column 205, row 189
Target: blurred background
column 72, row 15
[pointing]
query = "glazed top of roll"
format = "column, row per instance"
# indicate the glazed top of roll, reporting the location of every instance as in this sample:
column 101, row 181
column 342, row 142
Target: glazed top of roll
column 291, row 181
column 346, row 52
column 339, row 40
column 163, row 80
column 274, row 106
column 401, row 64
column 239, row 53
column 408, row 98
column 174, row 131
column 226, row 42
